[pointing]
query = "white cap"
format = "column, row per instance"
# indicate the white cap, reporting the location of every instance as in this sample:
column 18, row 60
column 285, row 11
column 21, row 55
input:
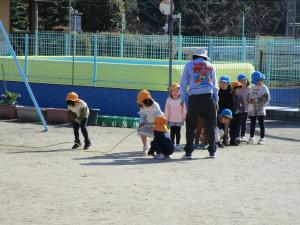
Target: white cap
column 201, row 52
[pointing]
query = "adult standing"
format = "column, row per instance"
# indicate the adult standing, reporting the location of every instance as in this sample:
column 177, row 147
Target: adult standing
column 199, row 81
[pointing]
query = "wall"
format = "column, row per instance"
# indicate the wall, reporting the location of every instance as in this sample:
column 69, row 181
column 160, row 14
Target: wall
column 5, row 14
column 111, row 101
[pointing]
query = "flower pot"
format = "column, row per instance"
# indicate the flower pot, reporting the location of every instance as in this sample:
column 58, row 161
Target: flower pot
column 92, row 120
column 58, row 116
column 29, row 114
column 8, row 112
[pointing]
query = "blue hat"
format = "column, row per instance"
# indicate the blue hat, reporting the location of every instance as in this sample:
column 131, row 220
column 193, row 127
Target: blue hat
column 225, row 79
column 257, row 76
column 226, row 113
column 242, row 77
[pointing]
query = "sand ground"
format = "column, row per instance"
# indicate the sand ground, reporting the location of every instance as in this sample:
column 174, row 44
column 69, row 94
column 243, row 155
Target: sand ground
column 48, row 183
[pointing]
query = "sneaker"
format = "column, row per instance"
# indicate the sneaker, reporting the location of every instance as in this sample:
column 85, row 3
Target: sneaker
column 220, row 144
column 212, row 156
column 187, row 156
column 145, row 149
column 261, row 141
column 177, row 147
column 76, row 145
column 86, row 146
column 238, row 139
column 160, row 156
column 234, row 143
column 251, row 140
column 243, row 139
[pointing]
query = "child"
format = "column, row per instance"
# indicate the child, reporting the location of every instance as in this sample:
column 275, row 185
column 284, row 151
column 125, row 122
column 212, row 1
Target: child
column 149, row 109
column 161, row 144
column 200, row 134
column 222, row 134
column 243, row 79
column 79, row 115
column 259, row 97
column 225, row 94
column 175, row 112
column 237, row 110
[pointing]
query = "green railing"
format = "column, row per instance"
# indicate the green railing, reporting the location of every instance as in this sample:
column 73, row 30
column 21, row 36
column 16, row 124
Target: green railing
column 141, row 61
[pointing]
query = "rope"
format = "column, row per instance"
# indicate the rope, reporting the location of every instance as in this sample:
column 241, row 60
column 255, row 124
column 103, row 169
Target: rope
column 62, row 143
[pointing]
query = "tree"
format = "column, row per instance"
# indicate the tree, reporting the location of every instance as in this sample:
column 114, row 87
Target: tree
column 101, row 15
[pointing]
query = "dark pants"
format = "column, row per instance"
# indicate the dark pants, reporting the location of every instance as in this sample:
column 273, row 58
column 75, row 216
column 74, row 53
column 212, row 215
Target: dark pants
column 203, row 106
column 175, row 132
column 84, row 131
column 244, row 124
column 261, row 125
column 235, row 127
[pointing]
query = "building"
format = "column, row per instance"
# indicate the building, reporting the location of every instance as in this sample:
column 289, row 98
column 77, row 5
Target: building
column 5, row 14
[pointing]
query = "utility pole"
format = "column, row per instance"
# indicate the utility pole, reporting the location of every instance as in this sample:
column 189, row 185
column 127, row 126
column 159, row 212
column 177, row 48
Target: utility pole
column 170, row 42
column 290, row 30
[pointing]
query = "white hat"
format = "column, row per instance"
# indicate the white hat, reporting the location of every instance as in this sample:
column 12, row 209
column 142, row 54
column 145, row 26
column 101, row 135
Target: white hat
column 201, row 52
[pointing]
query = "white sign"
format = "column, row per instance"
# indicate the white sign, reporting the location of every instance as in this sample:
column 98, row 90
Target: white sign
column 165, row 6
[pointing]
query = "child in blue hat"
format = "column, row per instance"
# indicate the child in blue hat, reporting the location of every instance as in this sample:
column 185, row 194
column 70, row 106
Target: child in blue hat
column 259, row 97
column 222, row 132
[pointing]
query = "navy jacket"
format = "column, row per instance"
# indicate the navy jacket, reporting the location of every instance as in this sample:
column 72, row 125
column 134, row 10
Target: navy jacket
column 161, row 144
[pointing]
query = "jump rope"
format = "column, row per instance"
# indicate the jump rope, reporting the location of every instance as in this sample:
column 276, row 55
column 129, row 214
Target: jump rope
column 62, row 143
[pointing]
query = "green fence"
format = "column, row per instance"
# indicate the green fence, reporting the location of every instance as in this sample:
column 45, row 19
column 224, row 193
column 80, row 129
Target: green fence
column 141, row 61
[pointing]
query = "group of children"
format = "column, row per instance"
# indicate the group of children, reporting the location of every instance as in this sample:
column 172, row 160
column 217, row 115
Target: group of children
column 237, row 102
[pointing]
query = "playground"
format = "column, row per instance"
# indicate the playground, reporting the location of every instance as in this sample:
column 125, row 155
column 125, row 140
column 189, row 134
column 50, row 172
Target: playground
column 43, row 181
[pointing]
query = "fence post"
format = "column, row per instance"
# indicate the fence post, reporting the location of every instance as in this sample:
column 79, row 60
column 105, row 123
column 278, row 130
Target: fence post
column 180, row 47
column 244, row 49
column 67, row 49
column 26, row 56
column 36, row 42
column 211, row 50
column 121, row 45
column 95, row 60
column 268, row 71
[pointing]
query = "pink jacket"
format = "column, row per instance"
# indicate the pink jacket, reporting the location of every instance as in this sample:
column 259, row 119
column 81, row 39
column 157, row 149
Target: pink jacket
column 174, row 111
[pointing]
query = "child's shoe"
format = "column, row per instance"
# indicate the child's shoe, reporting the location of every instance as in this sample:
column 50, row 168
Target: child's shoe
column 87, row 145
column 177, row 147
column 145, row 149
column 220, row 144
column 186, row 156
column 243, row 139
column 76, row 145
column 160, row 156
column 234, row 143
column 212, row 156
column 251, row 140
column 261, row 141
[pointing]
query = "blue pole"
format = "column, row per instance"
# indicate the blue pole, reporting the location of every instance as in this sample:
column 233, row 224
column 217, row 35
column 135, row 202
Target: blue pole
column 180, row 47
column 211, row 50
column 26, row 55
column 95, row 60
column 244, row 41
column 24, row 77
column 36, row 42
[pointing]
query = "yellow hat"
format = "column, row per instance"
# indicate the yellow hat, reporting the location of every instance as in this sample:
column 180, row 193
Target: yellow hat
column 143, row 95
column 175, row 85
column 236, row 84
column 160, row 124
column 72, row 96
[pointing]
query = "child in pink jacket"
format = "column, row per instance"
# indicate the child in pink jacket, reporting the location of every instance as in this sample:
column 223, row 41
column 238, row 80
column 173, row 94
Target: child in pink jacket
column 175, row 112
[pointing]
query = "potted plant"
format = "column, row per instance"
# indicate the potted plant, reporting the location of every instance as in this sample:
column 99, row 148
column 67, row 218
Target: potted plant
column 8, row 105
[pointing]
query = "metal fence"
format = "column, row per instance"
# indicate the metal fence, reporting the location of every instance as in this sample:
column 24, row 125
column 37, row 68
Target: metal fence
column 141, row 61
